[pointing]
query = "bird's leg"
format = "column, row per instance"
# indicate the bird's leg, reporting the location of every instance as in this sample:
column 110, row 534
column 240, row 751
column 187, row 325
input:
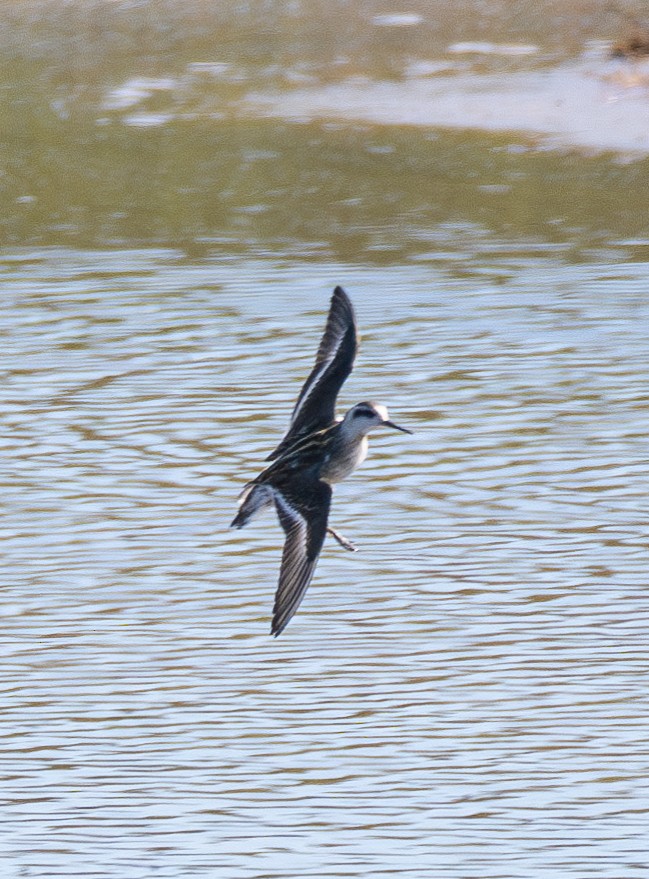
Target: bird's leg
column 346, row 544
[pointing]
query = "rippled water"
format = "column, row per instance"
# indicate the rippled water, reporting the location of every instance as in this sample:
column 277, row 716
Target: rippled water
column 467, row 695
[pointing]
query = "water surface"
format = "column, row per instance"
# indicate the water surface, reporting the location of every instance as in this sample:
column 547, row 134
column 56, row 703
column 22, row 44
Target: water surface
column 467, row 692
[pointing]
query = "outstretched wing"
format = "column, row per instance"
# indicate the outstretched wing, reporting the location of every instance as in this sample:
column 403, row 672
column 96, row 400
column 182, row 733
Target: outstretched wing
column 303, row 510
column 316, row 405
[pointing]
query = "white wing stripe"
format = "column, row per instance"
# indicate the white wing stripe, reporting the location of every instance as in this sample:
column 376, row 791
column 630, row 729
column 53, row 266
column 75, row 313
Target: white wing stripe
column 290, row 512
column 316, row 378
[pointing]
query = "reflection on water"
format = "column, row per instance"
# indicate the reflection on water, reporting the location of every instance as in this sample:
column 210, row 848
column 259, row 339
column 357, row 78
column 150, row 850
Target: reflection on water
column 465, row 695
column 585, row 105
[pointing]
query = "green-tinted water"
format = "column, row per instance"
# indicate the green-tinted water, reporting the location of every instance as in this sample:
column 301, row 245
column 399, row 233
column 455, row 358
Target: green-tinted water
column 238, row 127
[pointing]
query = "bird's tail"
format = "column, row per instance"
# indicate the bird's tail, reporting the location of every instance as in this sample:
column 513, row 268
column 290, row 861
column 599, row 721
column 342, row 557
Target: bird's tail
column 253, row 498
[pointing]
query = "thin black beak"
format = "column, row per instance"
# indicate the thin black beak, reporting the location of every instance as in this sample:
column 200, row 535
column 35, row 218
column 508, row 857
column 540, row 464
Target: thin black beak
column 396, row 427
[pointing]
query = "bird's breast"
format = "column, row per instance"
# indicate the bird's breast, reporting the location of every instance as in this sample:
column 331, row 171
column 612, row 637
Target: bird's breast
column 343, row 460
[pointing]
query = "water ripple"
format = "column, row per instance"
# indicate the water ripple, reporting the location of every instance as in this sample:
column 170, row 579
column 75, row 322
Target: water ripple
column 466, row 694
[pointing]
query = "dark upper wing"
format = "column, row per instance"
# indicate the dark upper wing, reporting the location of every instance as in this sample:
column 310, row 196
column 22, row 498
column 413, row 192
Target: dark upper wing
column 315, row 407
column 303, row 510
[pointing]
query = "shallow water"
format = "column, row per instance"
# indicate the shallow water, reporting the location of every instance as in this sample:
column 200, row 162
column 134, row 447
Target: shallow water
column 349, row 131
column 466, row 693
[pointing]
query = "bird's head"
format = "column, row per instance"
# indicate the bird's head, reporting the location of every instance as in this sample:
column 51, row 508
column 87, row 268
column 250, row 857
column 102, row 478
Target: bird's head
column 364, row 417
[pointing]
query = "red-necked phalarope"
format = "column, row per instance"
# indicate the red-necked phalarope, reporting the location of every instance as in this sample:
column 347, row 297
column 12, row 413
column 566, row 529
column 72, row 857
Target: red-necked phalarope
column 317, row 451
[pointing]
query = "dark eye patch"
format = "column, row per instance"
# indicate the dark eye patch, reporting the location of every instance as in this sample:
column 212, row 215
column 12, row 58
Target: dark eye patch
column 365, row 412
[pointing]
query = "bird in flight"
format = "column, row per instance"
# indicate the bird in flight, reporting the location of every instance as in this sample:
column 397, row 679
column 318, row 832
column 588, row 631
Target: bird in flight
column 317, row 451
